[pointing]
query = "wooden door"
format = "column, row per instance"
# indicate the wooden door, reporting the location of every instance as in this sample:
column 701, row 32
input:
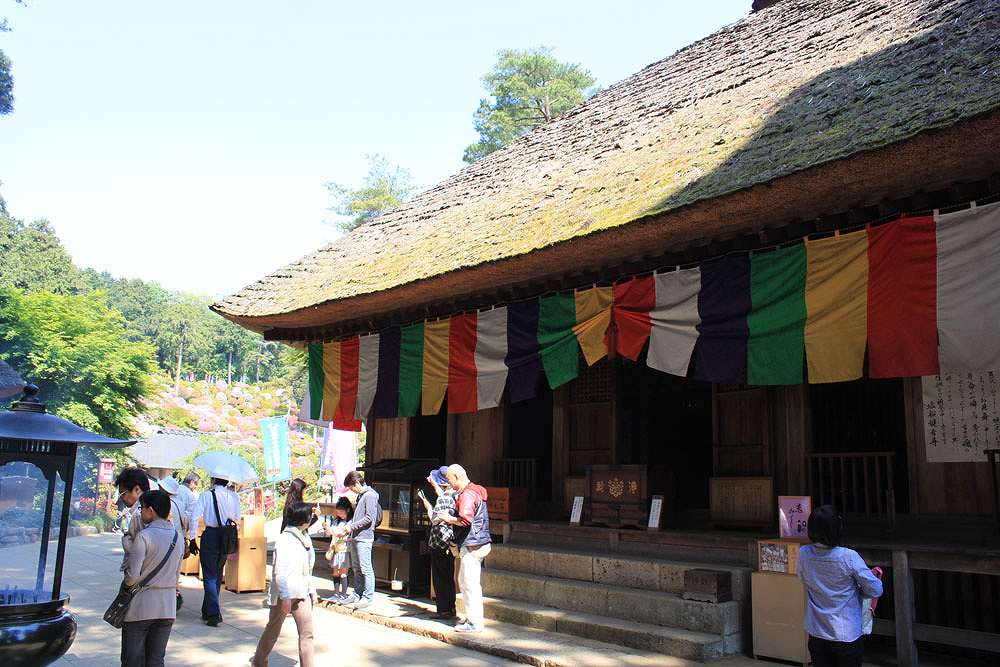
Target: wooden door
column 742, row 432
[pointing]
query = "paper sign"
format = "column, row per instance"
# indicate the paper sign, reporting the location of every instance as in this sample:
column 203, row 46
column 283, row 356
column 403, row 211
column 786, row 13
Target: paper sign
column 106, row 471
column 655, row 509
column 577, row 512
column 961, row 416
column 793, row 516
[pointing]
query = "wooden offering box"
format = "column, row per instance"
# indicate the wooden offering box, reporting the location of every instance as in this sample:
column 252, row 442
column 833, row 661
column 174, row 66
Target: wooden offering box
column 247, row 571
column 618, row 495
column 192, row 564
column 507, row 503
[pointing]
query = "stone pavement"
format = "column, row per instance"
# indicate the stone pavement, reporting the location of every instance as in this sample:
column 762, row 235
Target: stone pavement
column 91, row 578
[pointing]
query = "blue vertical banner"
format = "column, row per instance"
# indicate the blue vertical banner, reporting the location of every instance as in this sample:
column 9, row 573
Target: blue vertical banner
column 274, row 434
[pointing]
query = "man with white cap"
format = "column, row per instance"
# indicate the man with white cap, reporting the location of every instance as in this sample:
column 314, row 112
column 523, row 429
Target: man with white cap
column 179, row 518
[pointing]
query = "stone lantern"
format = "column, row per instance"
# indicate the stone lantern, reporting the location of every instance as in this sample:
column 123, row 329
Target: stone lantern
column 37, row 458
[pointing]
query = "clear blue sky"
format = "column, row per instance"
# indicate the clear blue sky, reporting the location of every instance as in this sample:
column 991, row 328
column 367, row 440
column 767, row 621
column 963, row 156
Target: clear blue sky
column 188, row 142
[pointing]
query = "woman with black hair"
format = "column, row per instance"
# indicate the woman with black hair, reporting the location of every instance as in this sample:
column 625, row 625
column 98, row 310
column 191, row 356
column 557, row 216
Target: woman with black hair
column 291, row 590
column 836, row 580
column 296, row 490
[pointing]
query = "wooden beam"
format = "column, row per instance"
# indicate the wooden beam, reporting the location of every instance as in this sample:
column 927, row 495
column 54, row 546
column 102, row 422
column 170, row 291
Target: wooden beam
column 906, row 648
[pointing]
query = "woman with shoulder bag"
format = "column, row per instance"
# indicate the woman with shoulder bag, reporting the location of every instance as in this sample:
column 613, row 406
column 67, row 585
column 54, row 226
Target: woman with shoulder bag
column 441, row 541
column 152, row 611
column 291, row 590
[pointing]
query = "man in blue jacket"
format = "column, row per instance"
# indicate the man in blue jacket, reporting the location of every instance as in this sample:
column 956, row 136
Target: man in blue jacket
column 362, row 531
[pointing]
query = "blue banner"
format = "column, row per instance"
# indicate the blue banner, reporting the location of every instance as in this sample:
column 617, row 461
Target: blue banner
column 274, row 434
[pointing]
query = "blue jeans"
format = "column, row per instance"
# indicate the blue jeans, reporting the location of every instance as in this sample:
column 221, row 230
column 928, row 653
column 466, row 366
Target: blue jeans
column 212, row 561
column 364, row 573
column 144, row 643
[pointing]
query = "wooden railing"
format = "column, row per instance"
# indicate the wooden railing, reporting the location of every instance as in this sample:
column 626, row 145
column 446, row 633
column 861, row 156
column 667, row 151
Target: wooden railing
column 517, row 473
column 860, row 484
column 959, row 610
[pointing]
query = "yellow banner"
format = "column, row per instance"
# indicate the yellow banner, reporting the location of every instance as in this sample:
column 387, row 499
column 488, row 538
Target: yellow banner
column 593, row 316
column 331, row 384
column 837, row 306
column 435, row 379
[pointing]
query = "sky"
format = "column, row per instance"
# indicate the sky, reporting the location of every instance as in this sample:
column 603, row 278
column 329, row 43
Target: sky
column 188, row 142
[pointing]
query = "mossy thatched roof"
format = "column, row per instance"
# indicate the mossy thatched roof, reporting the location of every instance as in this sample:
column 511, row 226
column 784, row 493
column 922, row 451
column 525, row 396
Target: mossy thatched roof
column 799, row 84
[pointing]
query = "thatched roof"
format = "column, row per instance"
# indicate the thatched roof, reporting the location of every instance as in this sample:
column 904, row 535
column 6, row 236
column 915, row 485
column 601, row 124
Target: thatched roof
column 794, row 89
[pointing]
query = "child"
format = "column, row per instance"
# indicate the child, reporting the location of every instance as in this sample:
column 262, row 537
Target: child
column 339, row 553
column 836, row 581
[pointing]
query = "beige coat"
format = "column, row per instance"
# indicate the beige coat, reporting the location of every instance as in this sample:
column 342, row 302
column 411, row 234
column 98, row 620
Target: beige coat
column 159, row 598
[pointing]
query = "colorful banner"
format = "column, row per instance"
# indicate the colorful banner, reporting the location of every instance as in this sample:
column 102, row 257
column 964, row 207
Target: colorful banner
column 274, row 435
column 912, row 297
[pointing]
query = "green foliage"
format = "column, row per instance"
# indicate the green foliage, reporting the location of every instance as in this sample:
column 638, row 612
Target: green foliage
column 6, row 82
column 76, row 350
column 34, row 258
column 526, row 88
column 384, row 188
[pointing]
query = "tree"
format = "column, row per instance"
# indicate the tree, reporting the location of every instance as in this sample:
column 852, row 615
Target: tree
column 76, row 350
column 383, row 189
column 526, row 88
column 6, row 82
column 34, row 259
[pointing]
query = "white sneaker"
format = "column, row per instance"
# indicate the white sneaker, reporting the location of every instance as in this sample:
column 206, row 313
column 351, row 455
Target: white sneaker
column 468, row 627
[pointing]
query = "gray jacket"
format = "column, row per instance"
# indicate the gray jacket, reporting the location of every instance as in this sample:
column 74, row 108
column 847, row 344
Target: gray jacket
column 159, row 598
column 362, row 526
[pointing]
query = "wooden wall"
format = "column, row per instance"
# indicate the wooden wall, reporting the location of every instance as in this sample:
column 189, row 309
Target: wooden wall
column 475, row 440
column 388, row 439
column 790, row 438
column 940, row 488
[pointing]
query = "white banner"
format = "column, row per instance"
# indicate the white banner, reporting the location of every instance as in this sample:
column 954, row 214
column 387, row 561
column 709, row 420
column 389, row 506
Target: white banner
column 961, row 416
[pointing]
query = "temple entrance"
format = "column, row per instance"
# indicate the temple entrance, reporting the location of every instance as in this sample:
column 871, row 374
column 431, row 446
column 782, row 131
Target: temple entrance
column 666, row 423
column 528, row 459
column 429, row 436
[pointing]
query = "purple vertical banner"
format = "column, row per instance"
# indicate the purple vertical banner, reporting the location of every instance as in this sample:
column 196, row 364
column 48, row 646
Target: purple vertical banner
column 387, row 392
column 523, row 361
column 720, row 355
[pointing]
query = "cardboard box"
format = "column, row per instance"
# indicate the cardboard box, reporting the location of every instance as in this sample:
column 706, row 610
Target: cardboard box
column 779, row 555
column 779, row 606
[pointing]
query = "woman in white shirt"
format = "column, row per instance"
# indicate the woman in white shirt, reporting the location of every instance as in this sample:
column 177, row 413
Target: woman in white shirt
column 291, row 589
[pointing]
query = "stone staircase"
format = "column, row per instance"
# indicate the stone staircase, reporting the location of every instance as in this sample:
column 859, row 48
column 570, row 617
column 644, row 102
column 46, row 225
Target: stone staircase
column 618, row 599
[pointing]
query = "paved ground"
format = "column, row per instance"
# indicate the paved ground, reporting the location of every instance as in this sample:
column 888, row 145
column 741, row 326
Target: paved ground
column 91, row 577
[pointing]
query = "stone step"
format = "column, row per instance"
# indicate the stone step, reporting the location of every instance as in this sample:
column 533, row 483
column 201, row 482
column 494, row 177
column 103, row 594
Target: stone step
column 687, row 644
column 651, row 574
column 617, row 602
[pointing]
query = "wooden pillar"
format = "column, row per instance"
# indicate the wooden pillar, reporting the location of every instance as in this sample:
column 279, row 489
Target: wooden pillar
column 906, row 648
column 560, row 443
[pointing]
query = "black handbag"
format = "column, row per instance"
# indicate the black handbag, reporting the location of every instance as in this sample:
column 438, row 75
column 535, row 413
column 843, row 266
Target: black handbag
column 229, row 534
column 115, row 615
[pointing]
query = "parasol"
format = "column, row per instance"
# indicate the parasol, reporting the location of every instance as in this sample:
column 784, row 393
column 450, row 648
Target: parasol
column 226, row 466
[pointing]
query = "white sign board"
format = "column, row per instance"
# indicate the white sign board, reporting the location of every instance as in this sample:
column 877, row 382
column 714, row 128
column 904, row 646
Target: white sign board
column 655, row 510
column 961, row 416
column 577, row 512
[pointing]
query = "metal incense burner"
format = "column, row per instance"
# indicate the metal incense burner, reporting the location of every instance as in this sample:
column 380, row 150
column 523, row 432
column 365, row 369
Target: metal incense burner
column 37, row 458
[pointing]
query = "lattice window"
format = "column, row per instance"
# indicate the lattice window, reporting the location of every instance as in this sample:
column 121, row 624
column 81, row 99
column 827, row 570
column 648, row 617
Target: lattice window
column 595, row 384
